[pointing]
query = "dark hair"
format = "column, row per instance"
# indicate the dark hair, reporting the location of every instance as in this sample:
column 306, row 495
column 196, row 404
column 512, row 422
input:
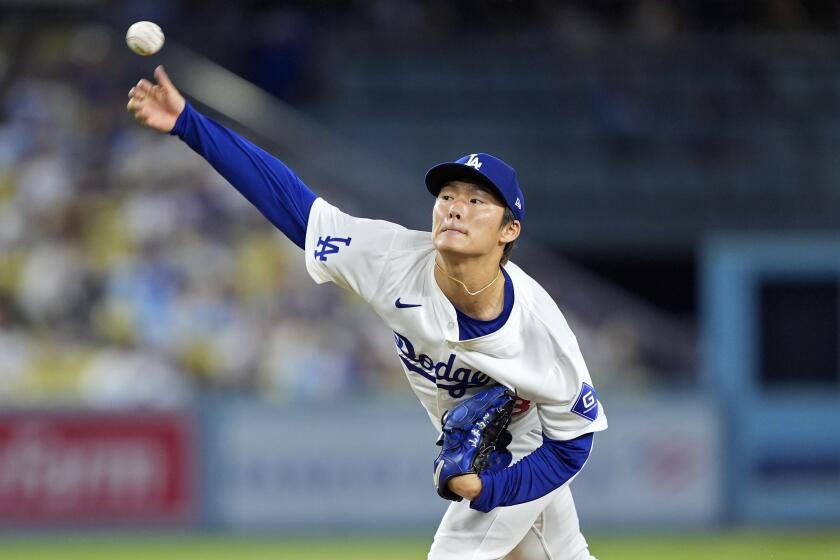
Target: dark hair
column 507, row 218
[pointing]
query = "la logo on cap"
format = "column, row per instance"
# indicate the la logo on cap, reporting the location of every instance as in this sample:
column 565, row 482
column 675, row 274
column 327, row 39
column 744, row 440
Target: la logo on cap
column 473, row 161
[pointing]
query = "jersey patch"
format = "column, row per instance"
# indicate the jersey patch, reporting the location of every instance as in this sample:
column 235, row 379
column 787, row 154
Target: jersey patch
column 586, row 404
column 329, row 246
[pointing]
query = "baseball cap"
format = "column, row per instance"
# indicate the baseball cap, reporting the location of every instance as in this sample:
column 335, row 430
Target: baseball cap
column 484, row 169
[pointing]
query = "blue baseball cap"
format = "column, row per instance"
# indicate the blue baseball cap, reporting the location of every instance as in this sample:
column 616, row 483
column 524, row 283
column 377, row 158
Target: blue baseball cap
column 483, row 169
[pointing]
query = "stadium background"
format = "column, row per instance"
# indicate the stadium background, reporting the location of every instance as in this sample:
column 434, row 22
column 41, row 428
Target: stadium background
column 173, row 384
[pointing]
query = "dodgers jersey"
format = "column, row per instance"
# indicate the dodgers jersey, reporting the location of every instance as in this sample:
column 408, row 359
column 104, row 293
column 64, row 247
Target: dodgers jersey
column 534, row 353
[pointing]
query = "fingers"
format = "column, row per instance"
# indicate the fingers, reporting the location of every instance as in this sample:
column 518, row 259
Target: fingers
column 140, row 116
column 151, row 104
column 144, row 86
column 135, row 106
column 163, row 78
column 138, row 94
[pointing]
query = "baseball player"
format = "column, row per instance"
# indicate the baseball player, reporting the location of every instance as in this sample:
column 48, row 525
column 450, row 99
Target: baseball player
column 464, row 320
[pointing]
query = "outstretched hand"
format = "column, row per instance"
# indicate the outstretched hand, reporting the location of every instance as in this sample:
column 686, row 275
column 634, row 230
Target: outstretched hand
column 156, row 106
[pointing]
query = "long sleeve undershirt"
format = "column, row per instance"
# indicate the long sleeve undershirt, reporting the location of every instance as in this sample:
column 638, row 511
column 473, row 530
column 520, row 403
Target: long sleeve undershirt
column 286, row 201
column 545, row 469
column 261, row 178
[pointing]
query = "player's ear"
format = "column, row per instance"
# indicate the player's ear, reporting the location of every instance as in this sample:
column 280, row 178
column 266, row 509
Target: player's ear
column 510, row 231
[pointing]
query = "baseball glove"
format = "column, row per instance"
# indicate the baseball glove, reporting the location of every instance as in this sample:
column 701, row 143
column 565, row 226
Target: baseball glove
column 474, row 438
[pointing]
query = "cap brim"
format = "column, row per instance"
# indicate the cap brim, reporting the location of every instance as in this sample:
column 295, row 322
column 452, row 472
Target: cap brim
column 444, row 173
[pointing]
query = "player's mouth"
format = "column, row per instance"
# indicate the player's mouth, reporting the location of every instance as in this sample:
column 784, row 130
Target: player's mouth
column 453, row 230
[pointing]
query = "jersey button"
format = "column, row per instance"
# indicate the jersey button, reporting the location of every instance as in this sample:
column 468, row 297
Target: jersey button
column 451, row 325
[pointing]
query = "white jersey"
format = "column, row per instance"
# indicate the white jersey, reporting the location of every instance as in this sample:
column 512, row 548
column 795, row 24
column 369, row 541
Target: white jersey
column 534, row 353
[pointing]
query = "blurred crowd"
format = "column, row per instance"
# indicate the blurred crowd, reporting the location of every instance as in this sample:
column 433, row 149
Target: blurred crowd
column 131, row 273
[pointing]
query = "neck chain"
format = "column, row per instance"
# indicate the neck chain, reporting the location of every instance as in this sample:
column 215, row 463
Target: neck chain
column 493, row 281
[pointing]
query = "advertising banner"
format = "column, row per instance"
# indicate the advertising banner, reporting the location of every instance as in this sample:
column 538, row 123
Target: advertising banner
column 658, row 465
column 353, row 465
column 361, row 465
column 95, row 468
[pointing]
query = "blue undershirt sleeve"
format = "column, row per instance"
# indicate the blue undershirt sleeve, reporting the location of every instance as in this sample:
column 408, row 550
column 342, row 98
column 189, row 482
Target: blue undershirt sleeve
column 545, row 469
column 263, row 179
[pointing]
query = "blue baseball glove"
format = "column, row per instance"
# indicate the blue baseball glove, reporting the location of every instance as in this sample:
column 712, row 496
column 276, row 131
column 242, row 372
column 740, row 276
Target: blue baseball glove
column 474, row 438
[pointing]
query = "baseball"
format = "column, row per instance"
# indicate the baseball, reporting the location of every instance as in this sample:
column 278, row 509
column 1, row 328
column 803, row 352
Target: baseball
column 144, row 37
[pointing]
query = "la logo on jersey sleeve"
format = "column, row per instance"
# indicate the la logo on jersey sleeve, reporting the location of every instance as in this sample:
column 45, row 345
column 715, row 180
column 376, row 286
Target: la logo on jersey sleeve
column 586, row 404
column 329, row 245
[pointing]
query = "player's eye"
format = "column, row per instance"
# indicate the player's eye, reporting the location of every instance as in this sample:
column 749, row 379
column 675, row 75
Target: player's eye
column 475, row 200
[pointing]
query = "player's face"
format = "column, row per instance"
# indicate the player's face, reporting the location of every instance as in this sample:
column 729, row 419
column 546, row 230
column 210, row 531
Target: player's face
column 466, row 221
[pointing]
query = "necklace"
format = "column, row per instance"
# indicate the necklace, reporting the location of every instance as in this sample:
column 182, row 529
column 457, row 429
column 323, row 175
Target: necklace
column 493, row 281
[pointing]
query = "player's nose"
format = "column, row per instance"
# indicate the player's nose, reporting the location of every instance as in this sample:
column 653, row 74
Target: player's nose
column 456, row 210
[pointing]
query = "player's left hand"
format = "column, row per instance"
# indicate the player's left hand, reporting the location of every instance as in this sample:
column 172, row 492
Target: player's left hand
column 474, row 440
column 467, row 486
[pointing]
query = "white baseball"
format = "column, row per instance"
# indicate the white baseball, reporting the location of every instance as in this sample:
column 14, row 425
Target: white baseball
column 144, row 37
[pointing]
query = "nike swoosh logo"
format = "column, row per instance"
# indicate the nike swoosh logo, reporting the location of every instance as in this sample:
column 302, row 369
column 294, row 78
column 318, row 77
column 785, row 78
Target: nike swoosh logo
column 401, row 305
